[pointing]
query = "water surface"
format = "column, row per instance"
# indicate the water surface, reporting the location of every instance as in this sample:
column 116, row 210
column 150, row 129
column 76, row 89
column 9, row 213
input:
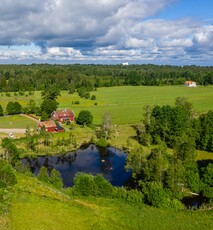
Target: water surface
column 107, row 161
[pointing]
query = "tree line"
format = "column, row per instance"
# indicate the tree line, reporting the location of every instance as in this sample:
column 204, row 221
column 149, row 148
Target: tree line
column 18, row 78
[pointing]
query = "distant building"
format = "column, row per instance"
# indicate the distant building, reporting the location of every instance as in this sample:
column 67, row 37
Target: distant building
column 63, row 115
column 125, row 63
column 50, row 126
column 190, row 83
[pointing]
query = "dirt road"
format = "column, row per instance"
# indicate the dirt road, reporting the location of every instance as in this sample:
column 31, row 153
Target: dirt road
column 12, row 130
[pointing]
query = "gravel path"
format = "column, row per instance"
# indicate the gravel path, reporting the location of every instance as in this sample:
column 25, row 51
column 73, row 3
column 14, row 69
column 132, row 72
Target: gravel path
column 12, row 130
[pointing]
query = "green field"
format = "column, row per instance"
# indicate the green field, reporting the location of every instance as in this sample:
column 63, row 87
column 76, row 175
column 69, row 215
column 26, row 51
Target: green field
column 126, row 103
column 16, row 122
column 36, row 206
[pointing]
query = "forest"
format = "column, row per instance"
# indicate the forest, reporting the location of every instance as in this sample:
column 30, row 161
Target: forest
column 14, row 78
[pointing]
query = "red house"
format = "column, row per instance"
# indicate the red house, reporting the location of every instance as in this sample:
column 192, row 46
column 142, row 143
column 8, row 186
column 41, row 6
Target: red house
column 63, row 115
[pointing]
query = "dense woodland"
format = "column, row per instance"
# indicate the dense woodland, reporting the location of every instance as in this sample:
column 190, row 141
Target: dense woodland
column 66, row 77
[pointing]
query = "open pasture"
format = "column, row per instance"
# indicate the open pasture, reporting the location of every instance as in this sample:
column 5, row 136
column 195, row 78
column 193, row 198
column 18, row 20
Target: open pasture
column 125, row 103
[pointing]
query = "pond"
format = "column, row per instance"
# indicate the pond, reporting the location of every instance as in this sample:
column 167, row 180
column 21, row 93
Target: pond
column 109, row 162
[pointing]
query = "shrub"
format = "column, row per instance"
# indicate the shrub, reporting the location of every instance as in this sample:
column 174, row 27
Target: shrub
column 86, row 95
column 7, row 176
column 93, row 97
column 104, row 188
column 84, row 184
column 134, row 196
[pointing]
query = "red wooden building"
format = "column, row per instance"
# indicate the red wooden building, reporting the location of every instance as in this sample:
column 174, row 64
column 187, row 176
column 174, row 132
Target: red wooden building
column 50, row 126
column 63, row 115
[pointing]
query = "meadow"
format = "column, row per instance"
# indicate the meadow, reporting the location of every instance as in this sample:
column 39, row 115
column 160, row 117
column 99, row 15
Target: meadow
column 125, row 103
column 16, row 122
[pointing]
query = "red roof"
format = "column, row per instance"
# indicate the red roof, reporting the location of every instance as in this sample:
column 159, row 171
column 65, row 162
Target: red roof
column 64, row 113
column 47, row 124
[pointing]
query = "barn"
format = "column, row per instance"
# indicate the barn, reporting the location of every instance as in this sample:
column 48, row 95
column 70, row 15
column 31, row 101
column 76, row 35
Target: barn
column 50, row 126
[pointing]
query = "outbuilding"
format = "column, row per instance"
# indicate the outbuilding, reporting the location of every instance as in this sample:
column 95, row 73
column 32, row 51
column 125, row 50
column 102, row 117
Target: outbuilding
column 50, row 126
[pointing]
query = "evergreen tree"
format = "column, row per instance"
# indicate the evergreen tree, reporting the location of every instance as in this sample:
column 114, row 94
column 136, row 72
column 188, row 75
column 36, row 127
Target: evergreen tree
column 1, row 111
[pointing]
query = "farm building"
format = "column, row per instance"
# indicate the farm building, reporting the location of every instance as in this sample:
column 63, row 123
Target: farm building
column 50, row 126
column 63, row 115
column 190, row 83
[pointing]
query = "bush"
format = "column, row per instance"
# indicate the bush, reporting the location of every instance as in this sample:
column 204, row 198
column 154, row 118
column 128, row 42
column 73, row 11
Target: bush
column 84, row 184
column 104, row 188
column 93, row 97
column 76, row 102
column 7, row 176
column 86, row 95
column 134, row 196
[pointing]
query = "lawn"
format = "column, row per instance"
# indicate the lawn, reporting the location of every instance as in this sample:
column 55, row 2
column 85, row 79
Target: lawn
column 16, row 122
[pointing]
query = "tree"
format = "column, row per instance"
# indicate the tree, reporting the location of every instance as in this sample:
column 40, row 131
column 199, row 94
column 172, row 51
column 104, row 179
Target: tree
column 56, row 179
column 31, row 107
column 43, row 175
column 48, row 106
column 1, row 111
column 106, row 127
column 84, row 117
column 51, row 92
column 11, row 151
column 13, row 108
column 7, row 176
column 84, row 184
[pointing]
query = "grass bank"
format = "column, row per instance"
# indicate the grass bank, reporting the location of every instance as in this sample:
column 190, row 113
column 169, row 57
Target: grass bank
column 37, row 206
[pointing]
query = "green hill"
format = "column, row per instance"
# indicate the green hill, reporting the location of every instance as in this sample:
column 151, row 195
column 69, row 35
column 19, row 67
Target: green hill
column 36, row 206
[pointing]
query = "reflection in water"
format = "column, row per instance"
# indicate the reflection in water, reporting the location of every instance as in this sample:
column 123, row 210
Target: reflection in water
column 107, row 161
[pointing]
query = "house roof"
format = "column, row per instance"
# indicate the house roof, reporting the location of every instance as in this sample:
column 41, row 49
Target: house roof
column 64, row 113
column 47, row 124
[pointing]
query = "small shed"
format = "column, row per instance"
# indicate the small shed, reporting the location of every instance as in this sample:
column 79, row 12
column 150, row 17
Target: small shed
column 63, row 115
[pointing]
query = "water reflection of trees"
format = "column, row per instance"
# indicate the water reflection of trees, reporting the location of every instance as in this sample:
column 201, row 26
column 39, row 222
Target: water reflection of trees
column 49, row 162
column 106, row 163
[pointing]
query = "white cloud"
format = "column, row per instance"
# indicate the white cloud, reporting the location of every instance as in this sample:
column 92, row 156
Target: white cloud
column 107, row 29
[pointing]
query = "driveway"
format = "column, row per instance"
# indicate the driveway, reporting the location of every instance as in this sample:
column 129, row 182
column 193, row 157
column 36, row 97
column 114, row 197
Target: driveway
column 12, row 130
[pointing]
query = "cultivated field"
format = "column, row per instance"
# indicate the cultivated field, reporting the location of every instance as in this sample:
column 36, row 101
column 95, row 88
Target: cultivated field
column 125, row 103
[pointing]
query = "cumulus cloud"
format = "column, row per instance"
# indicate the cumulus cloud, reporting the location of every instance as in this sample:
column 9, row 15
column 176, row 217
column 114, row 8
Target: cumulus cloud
column 99, row 29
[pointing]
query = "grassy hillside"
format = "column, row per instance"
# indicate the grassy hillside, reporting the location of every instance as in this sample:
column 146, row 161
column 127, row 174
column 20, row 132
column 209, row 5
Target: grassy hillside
column 36, row 206
column 126, row 103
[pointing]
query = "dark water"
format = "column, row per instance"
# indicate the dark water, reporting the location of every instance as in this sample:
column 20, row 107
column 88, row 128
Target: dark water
column 108, row 161
column 194, row 202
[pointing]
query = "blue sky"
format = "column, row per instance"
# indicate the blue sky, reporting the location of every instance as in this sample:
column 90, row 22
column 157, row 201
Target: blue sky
column 173, row 32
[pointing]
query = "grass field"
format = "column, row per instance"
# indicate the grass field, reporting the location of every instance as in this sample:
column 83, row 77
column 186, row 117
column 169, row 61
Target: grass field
column 126, row 103
column 16, row 122
column 36, row 206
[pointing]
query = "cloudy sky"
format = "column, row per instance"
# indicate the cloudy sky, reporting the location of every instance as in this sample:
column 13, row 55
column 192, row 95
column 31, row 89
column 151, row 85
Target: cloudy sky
column 178, row 32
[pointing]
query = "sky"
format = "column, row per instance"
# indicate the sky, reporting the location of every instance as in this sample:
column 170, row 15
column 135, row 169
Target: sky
column 168, row 32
